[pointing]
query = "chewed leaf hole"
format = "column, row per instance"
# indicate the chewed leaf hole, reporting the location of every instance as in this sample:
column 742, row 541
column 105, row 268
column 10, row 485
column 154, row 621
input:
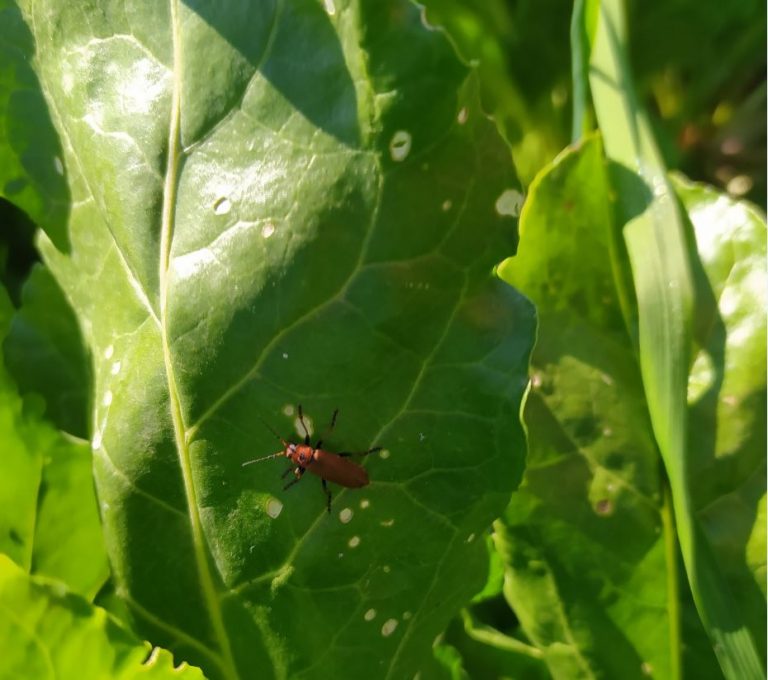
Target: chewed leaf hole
column 274, row 508
column 389, row 627
column 222, row 205
column 307, row 421
column 400, row 145
column 509, row 203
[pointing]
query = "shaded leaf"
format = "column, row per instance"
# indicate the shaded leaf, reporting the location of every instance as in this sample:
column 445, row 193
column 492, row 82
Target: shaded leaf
column 44, row 352
column 317, row 223
column 488, row 653
column 520, row 49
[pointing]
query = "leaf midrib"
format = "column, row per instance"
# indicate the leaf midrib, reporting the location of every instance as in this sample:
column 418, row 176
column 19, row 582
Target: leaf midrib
column 210, row 594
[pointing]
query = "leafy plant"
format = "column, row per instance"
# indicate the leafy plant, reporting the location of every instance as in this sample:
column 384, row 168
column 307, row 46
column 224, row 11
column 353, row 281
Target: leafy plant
column 250, row 206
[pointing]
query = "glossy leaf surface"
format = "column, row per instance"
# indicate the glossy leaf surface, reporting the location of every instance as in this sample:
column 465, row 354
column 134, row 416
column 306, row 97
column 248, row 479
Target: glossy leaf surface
column 277, row 204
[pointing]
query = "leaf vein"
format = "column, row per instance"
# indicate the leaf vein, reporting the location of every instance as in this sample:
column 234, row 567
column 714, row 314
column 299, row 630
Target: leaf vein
column 141, row 492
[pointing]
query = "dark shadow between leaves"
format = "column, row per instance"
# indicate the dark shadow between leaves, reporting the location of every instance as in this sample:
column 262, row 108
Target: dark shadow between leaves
column 17, row 249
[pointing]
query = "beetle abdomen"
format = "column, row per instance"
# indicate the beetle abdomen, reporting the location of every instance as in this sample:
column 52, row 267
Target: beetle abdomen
column 337, row 469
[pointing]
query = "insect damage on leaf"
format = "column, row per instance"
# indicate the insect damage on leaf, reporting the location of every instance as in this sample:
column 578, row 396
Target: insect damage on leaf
column 330, row 467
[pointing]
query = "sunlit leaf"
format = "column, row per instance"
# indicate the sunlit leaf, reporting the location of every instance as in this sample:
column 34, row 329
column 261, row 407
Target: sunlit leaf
column 272, row 206
column 586, row 539
column 663, row 268
column 49, row 522
column 46, row 631
column 727, row 392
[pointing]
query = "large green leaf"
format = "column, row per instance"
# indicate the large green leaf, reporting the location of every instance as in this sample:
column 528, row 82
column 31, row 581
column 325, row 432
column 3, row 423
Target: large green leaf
column 663, row 266
column 273, row 205
column 48, row 632
column 49, row 521
column 587, row 543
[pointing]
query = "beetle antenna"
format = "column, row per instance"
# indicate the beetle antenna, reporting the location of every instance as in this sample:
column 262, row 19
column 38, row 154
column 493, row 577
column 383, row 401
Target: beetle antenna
column 258, row 460
column 272, row 430
column 274, row 455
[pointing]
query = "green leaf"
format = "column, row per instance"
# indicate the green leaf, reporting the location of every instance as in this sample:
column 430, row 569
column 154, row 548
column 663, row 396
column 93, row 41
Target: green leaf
column 31, row 163
column 49, row 521
column 662, row 265
column 494, row 582
column 727, row 392
column 521, row 52
column 488, row 653
column 44, row 352
column 46, row 631
column 274, row 206
column 586, row 540
column 445, row 664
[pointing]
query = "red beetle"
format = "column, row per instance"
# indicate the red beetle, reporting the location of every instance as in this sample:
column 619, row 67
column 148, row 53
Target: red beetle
column 330, row 467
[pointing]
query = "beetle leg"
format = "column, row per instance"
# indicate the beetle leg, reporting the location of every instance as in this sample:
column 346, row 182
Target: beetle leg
column 287, row 472
column 328, row 430
column 347, row 454
column 303, row 425
column 327, row 494
column 299, row 472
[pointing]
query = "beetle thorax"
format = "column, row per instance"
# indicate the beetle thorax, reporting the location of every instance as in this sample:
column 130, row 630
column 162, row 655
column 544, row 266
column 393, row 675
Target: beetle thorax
column 301, row 454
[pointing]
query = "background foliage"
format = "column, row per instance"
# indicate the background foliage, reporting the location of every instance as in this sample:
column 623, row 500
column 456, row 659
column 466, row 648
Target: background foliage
column 211, row 214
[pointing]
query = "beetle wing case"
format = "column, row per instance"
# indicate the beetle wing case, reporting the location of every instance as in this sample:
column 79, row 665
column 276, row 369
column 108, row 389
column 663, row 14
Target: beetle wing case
column 338, row 469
